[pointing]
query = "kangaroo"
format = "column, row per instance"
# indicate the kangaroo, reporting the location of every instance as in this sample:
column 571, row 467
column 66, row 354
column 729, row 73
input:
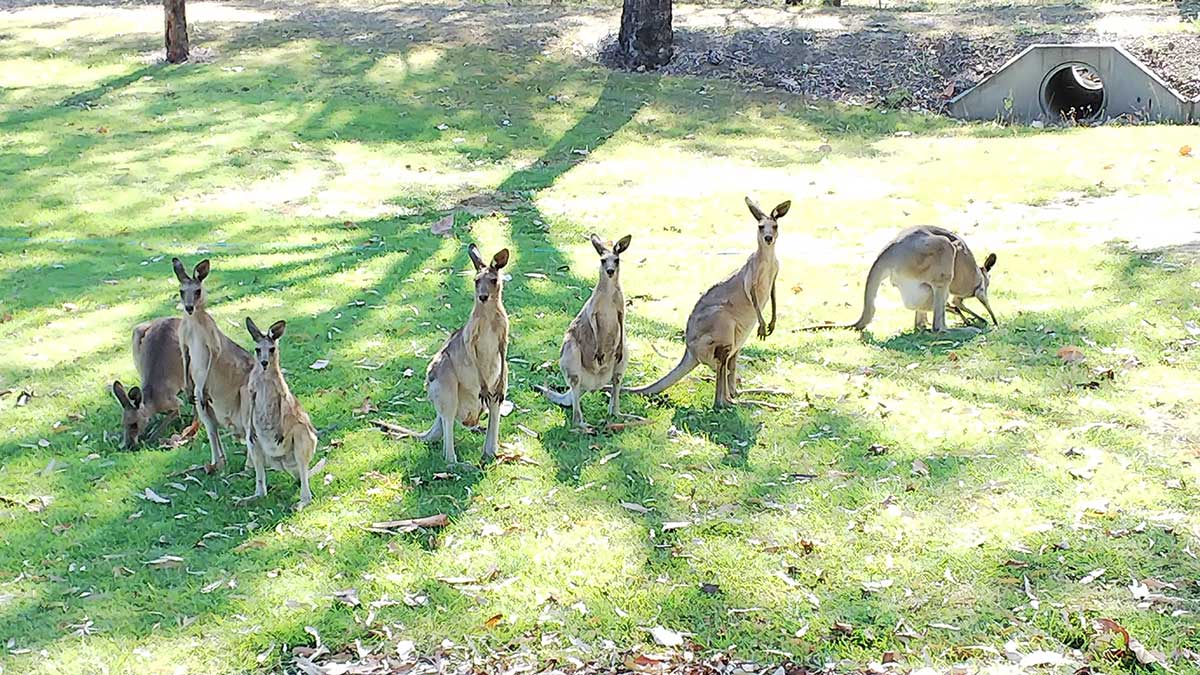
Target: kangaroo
column 721, row 321
column 593, row 351
column 216, row 368
column 471, row 369
column 160, row 365
column 279, row 434
column 931, row 266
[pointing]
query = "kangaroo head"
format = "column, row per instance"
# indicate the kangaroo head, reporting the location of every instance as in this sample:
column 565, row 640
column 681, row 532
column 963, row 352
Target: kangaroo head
column 264, row 343
column 768, row 225
column 488, row 280
column 610, row 258
column 981, row 291
column 191, row 288
column 134, row 415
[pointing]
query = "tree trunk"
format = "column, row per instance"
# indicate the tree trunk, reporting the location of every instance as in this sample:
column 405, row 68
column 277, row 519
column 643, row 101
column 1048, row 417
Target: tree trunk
column 646, row 35
column 176, row 29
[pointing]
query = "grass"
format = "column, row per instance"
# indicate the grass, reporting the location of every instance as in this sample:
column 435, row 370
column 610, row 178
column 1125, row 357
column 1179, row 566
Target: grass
column 309, row 171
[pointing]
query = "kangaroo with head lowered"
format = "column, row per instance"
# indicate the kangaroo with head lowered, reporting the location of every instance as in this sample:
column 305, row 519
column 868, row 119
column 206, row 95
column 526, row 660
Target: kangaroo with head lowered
column 722, row 319
column 470, row 371
column 593, row 351
column 931, row 266
column 160, row 366
column 279, row 434
column 217, row 368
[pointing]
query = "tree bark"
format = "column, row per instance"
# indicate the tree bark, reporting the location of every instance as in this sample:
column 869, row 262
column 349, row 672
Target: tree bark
column 645, row 40
column 176, row 31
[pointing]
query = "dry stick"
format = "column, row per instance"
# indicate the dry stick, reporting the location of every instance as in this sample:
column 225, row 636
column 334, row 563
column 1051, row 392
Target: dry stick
column 408, row 524
column 393, row 429
column 764, row 404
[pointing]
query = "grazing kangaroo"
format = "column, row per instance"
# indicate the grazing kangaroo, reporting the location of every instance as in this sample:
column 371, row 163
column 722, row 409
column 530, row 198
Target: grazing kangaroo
column 217, row 368
column 279, row 434
column 931, row 266
column 160, row 365
column 722, row 319
column 593, row 351
column 471, row 369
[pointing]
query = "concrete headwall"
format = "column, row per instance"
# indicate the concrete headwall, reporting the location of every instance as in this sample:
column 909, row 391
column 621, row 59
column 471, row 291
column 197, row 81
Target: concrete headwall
column 1018, row 92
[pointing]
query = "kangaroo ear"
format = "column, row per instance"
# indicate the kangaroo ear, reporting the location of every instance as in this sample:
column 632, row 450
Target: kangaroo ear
column 597, row 244
column 500, row 259
column 989, row 263
column 476, row 259
column 622, row 244
column 201, row 270
column 135, row 396
column 180, row 272
column 276, row 329
column 781, row 210
column 118, row 390
column 754, row 210
column 255, row 333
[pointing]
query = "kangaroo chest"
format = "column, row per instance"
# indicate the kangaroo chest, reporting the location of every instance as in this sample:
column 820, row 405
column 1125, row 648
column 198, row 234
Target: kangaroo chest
column 486, row 345
column 608, row 326
column 265, row 416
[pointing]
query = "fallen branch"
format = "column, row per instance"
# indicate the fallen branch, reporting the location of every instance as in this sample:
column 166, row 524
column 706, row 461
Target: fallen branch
column 408, row 525
column 394, row 430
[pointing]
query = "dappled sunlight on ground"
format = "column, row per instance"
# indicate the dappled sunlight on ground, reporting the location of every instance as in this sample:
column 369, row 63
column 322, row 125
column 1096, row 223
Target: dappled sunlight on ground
column 933, row 495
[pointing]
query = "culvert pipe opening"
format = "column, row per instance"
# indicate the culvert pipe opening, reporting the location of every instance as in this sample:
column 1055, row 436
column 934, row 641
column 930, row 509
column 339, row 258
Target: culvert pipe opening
column 1073, row 92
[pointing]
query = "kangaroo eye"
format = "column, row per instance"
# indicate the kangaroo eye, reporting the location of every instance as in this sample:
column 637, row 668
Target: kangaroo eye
column 272, row 350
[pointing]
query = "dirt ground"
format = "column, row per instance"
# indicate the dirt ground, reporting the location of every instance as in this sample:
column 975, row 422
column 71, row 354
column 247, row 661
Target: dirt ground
column 905, row 56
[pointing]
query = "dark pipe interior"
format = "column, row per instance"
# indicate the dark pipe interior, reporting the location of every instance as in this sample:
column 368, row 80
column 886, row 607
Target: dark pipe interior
column 1074, row 93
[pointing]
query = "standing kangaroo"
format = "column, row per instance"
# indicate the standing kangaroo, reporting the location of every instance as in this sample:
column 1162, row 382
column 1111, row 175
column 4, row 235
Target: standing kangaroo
column 279, row 434
column 471, row 369
column 217, row 368
column 593, row 351
column 930, row 265
column 721, row 321
column 160, row 366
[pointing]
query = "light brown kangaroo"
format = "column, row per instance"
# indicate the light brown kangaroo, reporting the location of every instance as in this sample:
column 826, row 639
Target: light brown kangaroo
column 721, row 321
column 160, row 366
column 593, row 351
column 471, row 369
column 931, row 266
column 217, row 368
column 279, row 434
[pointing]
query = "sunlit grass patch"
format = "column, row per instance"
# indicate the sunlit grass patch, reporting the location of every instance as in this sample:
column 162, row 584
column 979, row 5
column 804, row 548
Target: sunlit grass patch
column 908, row 484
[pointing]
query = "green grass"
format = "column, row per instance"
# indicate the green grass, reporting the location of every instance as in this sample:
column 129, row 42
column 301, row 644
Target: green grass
column 309, row 172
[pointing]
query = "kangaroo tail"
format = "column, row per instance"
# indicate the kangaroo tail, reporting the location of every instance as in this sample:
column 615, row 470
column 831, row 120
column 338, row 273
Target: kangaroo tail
column 879, row 269
column 686, row 364
column 564, row 399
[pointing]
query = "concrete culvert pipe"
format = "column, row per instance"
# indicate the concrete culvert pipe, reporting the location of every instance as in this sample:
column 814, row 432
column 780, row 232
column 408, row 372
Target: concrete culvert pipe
column 1073, row 91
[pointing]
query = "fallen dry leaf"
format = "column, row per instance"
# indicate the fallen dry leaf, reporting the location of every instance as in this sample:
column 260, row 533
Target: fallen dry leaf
column 320, row 364
column 1185, row 151
column 152, row 496
column 366, row 407
column 248, row 545
column 493, row 621
column 347, row 597
column 1070, row 354
column 164, row 562
column 666, row 637
column 443, row 226
column 636, row 508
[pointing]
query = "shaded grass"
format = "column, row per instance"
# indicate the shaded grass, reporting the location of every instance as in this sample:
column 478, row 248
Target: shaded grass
column 309, row 171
